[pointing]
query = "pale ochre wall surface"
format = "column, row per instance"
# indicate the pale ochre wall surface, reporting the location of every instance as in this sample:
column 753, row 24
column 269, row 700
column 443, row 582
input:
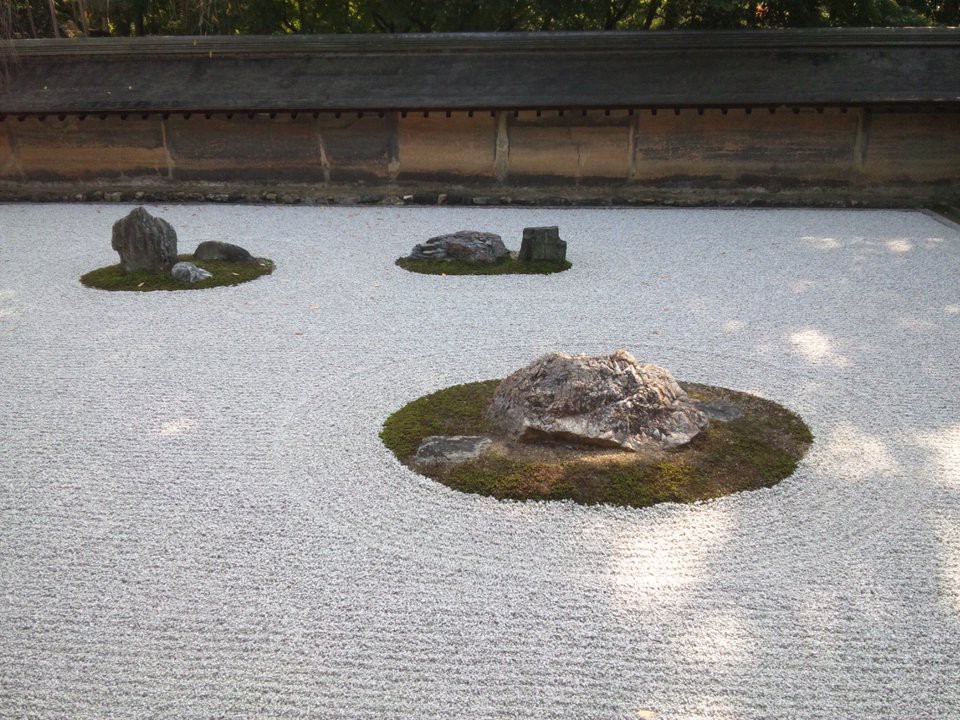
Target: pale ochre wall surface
column 847, row 152
column 70, row 149
column 281, row 148
column 570, row 146
column 913, row 147
column 455, row 146
column 804, row 147
column 359, row 148
column 242, row 148
column 7, row 160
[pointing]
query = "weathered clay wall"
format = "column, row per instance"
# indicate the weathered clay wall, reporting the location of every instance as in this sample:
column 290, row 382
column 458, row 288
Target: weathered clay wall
column 852, row 153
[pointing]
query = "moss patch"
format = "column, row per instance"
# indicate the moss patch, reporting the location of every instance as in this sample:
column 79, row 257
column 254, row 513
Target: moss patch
column 507, row 266
column 114, row 277
column 758, row 449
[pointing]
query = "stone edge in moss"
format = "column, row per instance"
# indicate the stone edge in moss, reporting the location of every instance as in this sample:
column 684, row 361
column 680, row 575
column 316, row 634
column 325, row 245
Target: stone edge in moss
column 507, row 266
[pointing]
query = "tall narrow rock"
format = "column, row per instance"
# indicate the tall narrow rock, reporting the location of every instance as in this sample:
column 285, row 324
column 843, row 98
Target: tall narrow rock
column 144, row 242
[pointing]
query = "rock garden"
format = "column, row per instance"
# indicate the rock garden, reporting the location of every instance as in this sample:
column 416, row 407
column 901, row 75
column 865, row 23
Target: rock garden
column 605, row 429
column 196, row 491
column 149, row 260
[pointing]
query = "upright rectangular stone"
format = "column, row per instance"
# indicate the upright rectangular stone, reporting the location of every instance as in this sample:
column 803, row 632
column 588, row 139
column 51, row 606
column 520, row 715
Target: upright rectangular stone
column 542, row 244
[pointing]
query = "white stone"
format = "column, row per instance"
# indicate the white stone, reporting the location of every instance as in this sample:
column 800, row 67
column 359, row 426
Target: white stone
column 189, row 273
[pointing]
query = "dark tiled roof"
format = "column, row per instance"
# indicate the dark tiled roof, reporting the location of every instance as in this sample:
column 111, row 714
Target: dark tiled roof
column 482, row 71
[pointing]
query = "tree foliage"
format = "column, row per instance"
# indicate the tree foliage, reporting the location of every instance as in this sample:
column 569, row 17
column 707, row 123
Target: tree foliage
column 71, row 18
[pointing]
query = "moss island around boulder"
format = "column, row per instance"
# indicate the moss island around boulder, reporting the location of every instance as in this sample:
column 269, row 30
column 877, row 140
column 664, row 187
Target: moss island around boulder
column 114, row 277
column 757, row 449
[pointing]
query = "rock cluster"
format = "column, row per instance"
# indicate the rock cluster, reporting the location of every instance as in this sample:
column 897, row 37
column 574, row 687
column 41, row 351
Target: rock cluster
column 538, row 244
column 467, row 245
column 610, row 401
column 144, row 242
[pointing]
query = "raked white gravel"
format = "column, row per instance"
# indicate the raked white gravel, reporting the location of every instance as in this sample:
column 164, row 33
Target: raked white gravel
column 198, row 520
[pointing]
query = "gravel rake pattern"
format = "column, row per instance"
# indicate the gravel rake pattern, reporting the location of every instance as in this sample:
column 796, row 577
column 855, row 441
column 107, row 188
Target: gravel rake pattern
column 198, row 520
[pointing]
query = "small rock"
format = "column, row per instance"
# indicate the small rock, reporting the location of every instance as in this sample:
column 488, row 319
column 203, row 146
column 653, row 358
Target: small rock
column 451, row 448
column 612, row 401
column 216, row 250
column 270, row 196
column 113, row 197
column 542, row 243
column 189, row 273
column 721, row 410
column 144, row 242
column 467, row 245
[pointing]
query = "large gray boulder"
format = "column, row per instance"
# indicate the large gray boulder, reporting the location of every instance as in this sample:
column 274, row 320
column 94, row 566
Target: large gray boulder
column 144, row 242
column 611, row 400
column 542, row 243
column 216, row 250
column 467, row 245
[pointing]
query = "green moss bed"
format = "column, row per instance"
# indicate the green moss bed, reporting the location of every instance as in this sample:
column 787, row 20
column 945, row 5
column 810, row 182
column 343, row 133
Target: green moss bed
column 756, row 450
column 113, row 277
column 507, row 266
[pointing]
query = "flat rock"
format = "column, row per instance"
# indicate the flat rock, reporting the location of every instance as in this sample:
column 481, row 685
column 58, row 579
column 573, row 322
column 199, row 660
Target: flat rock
column 467, row 245
column 721, row 410
column 451, row 449
column 144, row 242
column 542, row 243
column 189, row 273
column 216, row 250
column 612, row 401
